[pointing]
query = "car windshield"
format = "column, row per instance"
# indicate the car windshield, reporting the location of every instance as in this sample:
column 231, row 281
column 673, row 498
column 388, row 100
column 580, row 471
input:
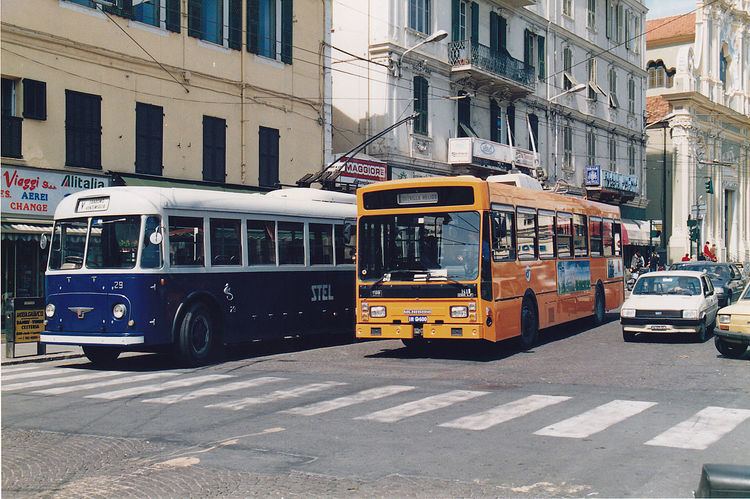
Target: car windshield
column 720, row 272
column 419, row 246
column 667, row 285
column 746, row 296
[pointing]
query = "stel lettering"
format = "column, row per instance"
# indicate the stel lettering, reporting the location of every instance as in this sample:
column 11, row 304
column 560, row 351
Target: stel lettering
column 321, row 292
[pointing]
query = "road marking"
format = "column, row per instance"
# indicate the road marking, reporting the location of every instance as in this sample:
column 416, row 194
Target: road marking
column 701, row 430
column 167, row 385
column 596, row 420
column 40, row 374
column 9, row 370
column 505, row 412
column 66, row 379
column 420, row 406
column 337, row 403
column 276, row 396
column 213, row 390
column 110, row 382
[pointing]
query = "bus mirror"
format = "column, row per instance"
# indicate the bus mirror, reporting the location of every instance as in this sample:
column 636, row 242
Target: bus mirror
column 347, row 231
column 43, row 241
column 156, row 238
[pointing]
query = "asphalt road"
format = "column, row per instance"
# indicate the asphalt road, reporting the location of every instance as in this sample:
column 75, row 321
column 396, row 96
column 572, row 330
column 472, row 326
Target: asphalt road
column 582, row 414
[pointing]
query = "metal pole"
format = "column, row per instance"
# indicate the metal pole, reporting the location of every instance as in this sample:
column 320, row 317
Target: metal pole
column 664, row 195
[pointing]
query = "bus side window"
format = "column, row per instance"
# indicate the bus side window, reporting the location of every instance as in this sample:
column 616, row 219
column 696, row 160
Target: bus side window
column 226, row 241
column 151, row 253
column 617, row 238
column 346, row 240
column 291, row 243
column 320, row 239
column 595, row 232
column 186, row 241
column 261, row 242
column 580, row 237
column 564, row 235
column 546, row 234
column 607, row 237
column 503, row 232
column 526, row 234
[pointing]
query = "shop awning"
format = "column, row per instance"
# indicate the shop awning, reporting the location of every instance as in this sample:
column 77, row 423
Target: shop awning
column 636, row 232
column 25, row 231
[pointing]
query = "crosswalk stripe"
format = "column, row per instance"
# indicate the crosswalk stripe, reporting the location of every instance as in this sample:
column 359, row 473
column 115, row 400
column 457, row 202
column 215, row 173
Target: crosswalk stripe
column 40, row 374
column 276, row 396
column 10, row 370
column 505, row 412
column 109, row 382
column 420, row 406
column 167, row 385
column 596, row 420
column 346, row 401
column 65, row 379
column 702, row 429
column 213, row 390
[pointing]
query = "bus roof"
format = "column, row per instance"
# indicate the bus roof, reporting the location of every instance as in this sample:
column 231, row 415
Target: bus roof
column 133, row 200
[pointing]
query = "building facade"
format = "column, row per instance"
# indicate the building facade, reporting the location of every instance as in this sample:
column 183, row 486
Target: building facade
column 553, row 89
column 222, row 94
column 699, row 128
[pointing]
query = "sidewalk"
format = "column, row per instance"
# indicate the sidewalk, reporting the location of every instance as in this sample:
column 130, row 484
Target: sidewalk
column 26, row 352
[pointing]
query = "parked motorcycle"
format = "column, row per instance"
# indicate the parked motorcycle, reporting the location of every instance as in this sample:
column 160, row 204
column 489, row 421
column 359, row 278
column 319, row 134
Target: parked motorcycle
column 634, row 274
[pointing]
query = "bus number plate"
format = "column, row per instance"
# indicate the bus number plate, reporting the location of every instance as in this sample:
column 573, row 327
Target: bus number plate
column 418, row 319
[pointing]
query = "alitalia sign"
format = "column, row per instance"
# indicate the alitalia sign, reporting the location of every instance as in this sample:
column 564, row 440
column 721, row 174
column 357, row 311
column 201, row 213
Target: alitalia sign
column 36, row 193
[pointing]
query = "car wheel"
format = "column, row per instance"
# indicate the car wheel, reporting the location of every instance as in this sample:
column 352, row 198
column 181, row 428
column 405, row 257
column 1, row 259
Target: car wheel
column 731, row 350
column 196, row 337
column 702, row 332
column 627, row 336
column 101, row 356
column 529, row 324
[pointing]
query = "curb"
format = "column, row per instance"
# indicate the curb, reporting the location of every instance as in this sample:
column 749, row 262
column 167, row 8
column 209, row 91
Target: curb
column 36, row 359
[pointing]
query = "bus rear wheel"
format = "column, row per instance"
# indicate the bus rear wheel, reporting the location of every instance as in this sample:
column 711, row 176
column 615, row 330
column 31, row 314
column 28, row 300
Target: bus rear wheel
column 196, row 336
column 529, row 324
column 101, row 356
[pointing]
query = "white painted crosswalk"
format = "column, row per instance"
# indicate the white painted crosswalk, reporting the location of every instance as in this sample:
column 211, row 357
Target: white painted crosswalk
column 397, row 403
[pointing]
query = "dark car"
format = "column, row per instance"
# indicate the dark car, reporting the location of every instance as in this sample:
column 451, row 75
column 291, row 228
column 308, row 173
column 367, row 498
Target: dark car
column 726, row 278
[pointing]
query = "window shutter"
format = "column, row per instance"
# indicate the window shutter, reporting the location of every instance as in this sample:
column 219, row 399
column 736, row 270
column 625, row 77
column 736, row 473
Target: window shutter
column 96, row 130
column 455, row 23
column 494, row 112
column 287, row 27
column 34, row 99
column 474, row 23
column 195, row 18
column 541, row 56
column 173, row 15
column 608, row 18
column 253, row 28
column 502, row 28
column 528, row 44
column 493, row 32
column 235, row 24
column 511, row 112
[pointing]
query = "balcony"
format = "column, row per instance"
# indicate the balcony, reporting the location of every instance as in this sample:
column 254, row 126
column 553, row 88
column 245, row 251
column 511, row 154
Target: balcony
column 475, row 155
column 11, row 136
column 491, row 68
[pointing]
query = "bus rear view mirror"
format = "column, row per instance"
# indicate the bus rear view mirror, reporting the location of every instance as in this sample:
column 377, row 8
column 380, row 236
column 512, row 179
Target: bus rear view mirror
column 156, row 237
column 43, row 241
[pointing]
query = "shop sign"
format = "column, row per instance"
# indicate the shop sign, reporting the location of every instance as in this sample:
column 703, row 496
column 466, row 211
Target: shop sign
column 598, row 177
column 29, row 319
column 363, row 171
column 402, row 173
column 36, row 193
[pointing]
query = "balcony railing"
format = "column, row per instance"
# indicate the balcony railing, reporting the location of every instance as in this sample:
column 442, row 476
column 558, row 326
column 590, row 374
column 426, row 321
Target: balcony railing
column 11, row 136
column 500, row 63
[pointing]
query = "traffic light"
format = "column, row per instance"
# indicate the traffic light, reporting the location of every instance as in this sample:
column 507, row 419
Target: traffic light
column 709, row 186
column 694, row 233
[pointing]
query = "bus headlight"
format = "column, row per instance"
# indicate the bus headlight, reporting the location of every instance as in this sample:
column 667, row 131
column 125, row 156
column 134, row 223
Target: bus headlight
column 49, row 310
column 459, row 312
column 627, row 313
column 689, row 314
column 725, row 319
column 378, row 312
column 119, row 310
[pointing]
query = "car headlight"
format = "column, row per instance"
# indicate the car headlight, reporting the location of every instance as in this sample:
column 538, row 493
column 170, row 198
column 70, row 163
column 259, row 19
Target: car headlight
column 460, row 312
column 689, row 314
column 119, row 310
column 378, row 312
column 725, row 319
column 627, row 312
column 49, row 310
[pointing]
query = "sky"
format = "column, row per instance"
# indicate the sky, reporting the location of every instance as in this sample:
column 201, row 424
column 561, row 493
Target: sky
column 663, row 8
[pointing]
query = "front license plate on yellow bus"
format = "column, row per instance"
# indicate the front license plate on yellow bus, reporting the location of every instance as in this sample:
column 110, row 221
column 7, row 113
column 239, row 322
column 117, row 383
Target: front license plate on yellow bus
column 418, row 319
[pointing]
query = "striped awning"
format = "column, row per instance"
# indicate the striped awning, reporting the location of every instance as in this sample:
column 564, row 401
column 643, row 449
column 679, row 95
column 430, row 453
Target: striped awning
column 636, row 232
column 24, row 231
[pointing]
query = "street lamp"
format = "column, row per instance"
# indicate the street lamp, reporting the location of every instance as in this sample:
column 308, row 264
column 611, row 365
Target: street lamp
column 435, row 37
column 577, row 88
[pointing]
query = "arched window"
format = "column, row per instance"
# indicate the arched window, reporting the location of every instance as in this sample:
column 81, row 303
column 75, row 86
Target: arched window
column 658, row 75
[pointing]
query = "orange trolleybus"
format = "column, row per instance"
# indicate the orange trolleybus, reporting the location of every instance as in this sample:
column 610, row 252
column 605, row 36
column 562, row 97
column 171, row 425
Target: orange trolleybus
column 464, row 258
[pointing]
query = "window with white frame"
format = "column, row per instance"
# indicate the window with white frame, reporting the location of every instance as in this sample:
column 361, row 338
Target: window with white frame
column 567, row 8
column 593, row 87
column 637, row 32
column 613, row 102
column 592, row 14
column 463, row 11
column 567, row 146
column 419, row 15
column 631, row 95
column 628, row 18
column 590, row 147
column 631, row 158
column 613, row 153
column 568, row 80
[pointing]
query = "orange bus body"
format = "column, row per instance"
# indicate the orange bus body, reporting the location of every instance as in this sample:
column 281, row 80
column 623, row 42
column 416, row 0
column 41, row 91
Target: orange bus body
column 497, row 314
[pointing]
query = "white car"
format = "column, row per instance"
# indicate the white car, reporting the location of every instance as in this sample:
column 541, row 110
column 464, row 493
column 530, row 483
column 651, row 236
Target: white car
column 676, row 301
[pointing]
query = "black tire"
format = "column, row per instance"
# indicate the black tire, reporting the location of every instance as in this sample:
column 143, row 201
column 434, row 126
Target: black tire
column 101, row 356
column 196, row 337
column 627, row 336
column 415, row 345
column 703, row 333
column 529, row 324
column 600, row 309
column 731, row 350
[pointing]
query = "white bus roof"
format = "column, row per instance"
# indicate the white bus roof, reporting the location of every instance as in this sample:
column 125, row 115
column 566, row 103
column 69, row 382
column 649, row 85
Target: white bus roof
column 155, row 200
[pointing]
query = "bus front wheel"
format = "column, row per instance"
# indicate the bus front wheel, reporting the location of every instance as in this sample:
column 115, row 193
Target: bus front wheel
column 101, row 356
column 529, row 324
column 196, row 336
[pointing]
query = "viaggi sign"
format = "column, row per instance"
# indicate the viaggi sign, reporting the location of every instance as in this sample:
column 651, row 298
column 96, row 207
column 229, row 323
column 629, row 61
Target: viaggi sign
column 36, row 193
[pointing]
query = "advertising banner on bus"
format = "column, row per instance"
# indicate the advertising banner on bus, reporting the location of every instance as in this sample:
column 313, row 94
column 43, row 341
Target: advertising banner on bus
column 573, row 276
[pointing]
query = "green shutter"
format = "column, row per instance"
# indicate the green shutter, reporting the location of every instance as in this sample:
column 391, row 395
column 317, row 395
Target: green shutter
column 455, row 15
column 502, row 28
column 474, row 23
column 173, row 15
column 253, row 29
column 235, row 24
column 493, row 32
column 195, row 18
column 541, row 56
column 495, row 134
column 607, row 17
column 287, row 27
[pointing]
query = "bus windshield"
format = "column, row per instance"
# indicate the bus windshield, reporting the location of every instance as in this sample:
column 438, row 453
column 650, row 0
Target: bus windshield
column 413, row 247
column 68, row 243
column 113, row 242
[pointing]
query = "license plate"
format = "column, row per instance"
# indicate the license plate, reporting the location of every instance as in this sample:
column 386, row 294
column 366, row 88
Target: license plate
column 419, row 319
column 659, row 328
